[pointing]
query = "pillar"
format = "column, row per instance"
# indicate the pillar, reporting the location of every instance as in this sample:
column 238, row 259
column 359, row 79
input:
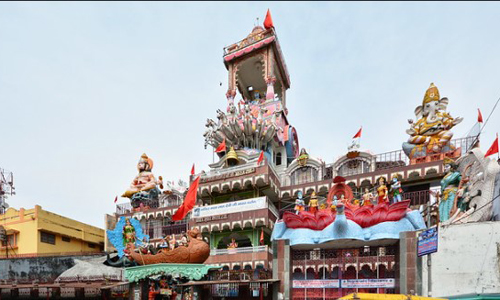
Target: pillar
column 409, row 265
column 282, row 269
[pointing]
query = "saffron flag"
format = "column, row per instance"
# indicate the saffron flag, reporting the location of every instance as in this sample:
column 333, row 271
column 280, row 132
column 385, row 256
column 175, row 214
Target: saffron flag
column 192, row 170
column 189, row 201
column 221, row 147
column 268, row 22
column 262, row 237
column 261, row 157
column 479, row 116
column 116, row 199
column 493, row 149
column 358, row 135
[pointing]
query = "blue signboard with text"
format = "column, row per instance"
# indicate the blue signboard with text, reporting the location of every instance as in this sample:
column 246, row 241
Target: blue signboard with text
column 427, row 242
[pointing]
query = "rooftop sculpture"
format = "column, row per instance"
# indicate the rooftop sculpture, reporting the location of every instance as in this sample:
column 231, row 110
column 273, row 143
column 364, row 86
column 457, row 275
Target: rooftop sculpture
column 431, row 133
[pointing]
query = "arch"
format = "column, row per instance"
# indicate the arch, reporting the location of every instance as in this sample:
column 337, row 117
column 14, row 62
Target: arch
column 248, row 224
column 365, row 183
column 225, row 268
column 334, row 274
column 323, row 273
column 431, row 171
column 413, row 175
column 237, row 225
column 310, row 273
column 236, row 185
column 226, row 227
column 236, row 267
column 259, row 222
column 297, row 274
column 259, row 266
column 247, row 267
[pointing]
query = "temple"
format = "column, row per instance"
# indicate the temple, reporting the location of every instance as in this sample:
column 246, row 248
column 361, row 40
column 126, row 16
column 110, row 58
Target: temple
column 269, row 220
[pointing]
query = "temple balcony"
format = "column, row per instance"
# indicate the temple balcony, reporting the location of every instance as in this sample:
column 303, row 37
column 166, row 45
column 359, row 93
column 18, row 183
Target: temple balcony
column 249, row 176
column 234, row 215
column 164, row 205
column 241, row 258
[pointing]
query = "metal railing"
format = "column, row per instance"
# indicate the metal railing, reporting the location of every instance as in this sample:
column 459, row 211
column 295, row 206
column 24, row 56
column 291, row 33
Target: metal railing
column 126, row 208
column 218, row 172
column 418, row 197
column 158, row 232
column 241, row 250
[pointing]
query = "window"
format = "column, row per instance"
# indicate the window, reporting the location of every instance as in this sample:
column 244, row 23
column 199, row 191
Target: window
column 10, row 241
column 66, row 239
column 91, row 245
column 48, row 238
column 278, row 159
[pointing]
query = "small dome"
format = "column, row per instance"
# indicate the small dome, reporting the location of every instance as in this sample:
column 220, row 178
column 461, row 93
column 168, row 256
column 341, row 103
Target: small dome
column 257, row 29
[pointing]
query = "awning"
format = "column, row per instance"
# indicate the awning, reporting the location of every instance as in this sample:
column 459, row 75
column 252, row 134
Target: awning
column 366, row 296
column 191, row 271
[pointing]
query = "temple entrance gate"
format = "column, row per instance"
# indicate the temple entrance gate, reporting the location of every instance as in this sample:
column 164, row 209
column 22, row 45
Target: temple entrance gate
column 333, row 273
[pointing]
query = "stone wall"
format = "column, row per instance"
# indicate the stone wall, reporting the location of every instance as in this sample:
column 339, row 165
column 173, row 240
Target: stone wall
column 467, row 261
column 43, row 269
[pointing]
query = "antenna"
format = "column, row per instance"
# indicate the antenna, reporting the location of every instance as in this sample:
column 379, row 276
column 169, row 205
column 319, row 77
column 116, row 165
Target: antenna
column 6, row 188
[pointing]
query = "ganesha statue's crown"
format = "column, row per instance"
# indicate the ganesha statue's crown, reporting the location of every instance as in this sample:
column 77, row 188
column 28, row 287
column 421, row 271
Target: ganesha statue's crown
column 432, row 94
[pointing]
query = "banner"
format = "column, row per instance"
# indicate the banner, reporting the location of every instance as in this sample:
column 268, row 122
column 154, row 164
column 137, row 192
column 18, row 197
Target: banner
column 427, row 242
column 229, row 207
column 344, row 283
column 316, row 284
column 368, row 283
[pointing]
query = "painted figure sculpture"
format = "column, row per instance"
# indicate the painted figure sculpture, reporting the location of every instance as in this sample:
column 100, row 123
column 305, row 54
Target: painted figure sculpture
column 449, row 189
column 144, row 187
column 299, row 203
column 382, row 191
column 431, row 132
column 396, row 190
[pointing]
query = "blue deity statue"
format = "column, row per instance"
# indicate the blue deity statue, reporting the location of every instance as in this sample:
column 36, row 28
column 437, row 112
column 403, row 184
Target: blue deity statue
column 449, row 189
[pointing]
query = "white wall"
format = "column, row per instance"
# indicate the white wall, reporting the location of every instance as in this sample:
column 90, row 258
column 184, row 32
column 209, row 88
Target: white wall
column 467, row 260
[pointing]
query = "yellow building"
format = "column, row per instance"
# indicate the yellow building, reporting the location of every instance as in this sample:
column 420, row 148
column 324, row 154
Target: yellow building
column 37, row 232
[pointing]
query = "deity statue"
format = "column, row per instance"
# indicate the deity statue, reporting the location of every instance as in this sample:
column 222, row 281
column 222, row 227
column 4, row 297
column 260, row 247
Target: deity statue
column 128, row 233
column 144, row 186
column 449, row 189
column 313, row 203
column 382, row 190
column 233, row 244
column 303, row 157
column 395, row 189
column 299, row 203
column 431, row 132
column 367, row 197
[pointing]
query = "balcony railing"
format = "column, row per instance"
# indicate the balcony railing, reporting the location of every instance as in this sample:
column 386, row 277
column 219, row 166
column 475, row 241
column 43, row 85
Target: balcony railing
column 126, row 208
column 158, row 232
column 241, row 250
column 418, row 197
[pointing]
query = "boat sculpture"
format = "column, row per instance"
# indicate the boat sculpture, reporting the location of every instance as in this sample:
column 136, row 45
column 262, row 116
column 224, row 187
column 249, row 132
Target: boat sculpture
column 196, row 252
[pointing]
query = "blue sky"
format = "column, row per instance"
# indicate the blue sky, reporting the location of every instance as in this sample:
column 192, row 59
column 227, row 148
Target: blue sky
column 86, row 88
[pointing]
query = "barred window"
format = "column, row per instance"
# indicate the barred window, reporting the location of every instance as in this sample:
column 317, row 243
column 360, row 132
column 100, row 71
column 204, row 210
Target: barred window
column 66, row 239
column 48, row 238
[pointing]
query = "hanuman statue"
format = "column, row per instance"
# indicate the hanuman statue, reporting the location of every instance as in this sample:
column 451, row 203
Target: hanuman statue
column 144, row 186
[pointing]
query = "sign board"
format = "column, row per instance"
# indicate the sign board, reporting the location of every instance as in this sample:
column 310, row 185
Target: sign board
column 316, row 284
column 229, row 207
column 387, row 283
column 427, row 242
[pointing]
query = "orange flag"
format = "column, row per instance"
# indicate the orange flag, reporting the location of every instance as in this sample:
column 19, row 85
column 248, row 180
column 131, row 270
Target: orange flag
column 493, row 149
column 262, row 237
column 268, row 22
column 479, row 116
column 261, row 157
column 189, row 201
column 221, row 147
column 358, row 135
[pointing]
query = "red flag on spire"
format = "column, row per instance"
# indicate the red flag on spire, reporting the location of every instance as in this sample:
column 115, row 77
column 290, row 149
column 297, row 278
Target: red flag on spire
column 116, row 199
column 262, row 237
column 479, row 116
column 268, row 22
column 358, row 135
column 493, row 149
column 261, row 157
column 221, row 147
column 192, row 170
column 189, row 201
